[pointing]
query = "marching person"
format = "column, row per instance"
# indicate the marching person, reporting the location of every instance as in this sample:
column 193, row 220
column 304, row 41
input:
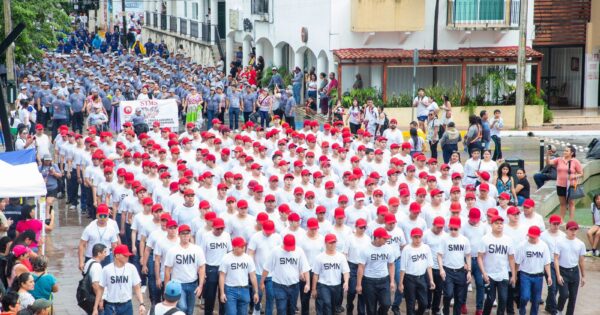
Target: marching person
column 532, row 258
column 495, row 258
column 355, row 246
column 415, row 268
column 433, row 239
column 186, row 264
column 100, row 231
column 215, row 244
column 474, row 230
column 287, row 265
column 117, row 282
column 236, row 270
column 375, row 275
column 550, row 236
column 329, row 269
column 454, row 259
column 569, row 267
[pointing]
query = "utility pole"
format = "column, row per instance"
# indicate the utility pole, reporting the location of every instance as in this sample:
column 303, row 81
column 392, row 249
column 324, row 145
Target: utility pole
column 10, row 52
column 124, row 31
column 521, row 67
column 434, row 74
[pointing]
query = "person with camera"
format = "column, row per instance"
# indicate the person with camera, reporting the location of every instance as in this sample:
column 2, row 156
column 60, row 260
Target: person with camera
column 24, row 140
column 568, row 172
column 549, row 171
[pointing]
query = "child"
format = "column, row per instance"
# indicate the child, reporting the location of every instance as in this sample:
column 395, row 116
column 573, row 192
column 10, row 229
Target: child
column 593, row 234
column 496, row 126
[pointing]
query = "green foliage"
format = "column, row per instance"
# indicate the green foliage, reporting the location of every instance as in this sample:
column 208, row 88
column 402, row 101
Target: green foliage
column 402, row 100
column 492, row 85
column 283, row 71
column 43, row 19
column 548, row 114
column 362, row 95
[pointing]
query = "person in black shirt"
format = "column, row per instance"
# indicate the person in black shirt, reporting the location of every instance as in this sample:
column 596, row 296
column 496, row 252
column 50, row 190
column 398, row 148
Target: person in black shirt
column 13, row 212
column 522, row 187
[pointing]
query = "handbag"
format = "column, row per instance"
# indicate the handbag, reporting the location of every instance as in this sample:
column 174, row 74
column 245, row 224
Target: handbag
column 574, row 192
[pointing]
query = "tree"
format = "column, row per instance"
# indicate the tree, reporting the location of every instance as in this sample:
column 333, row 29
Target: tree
column 45, row 21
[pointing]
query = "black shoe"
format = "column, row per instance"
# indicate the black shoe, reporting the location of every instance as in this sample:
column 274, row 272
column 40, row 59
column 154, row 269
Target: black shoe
column 396, row 311
column 339, row 309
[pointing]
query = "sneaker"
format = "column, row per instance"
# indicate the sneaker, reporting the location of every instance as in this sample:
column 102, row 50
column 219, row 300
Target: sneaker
column 452, row 302
column 589, row 253
column 470, row 288
column 463, row 309
column 597, row 253
column 71, row 207
column 495, row 303
column 255, row 312
column 479, row 312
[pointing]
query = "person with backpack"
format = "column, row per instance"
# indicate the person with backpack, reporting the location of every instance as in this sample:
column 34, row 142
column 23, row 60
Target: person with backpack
column 89, row 285
column 433, row 132
column 169, row 305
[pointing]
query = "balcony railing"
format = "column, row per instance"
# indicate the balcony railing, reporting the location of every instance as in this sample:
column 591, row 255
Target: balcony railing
column 483, row 14
column 205, row 32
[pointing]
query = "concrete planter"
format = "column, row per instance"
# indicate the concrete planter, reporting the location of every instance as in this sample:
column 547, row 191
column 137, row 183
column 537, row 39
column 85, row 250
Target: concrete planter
column 534, row 115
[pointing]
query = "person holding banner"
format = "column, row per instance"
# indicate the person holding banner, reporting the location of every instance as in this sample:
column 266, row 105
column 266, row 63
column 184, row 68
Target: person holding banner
column 192, row 107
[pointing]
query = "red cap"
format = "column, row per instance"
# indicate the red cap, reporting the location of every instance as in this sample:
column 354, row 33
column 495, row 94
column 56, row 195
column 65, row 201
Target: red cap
column 184, row 228
column 122, row 250
column 147, row 201
column 513, row 211
column 289, row 242
column 261, row 217
column 381, row 233
column 360, row 223
column 555, row 219
column 157, row 207
column 504, row 196
column 469, row 195
column 238, row 242
column 572, row 225
column 484, row 187
column 455, row 207
column 210, row 215
column 390, row 218
column 528, row 203
column 394, row 201
column 435, row 192
column 359, row 196
column 171, row 223
column 312, row 224
column 320, row 209
column 416, row 232
column 329, row 185
column 492, row 212
column 475, row 214
column 421, row 191
column 102, row 209
column 218, row 223
column 439, row 222
column 342, row 198
column 189, row 192
column 204, row 204
column 534, row 231
column 415, row 207
column 454, row 223
column 484, row 175
column 339, row 213
column 456, row 175
column 268, row 227
column 294, row 217
column 404, row 192
column 496, row 218
column 330, row 238
column 242, row 204
column 165, row 216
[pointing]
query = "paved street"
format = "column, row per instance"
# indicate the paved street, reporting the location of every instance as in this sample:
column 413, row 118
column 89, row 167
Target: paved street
column 62, row 244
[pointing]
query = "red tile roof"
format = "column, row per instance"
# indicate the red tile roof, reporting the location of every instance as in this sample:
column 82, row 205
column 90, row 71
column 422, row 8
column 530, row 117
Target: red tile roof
column 508, row 52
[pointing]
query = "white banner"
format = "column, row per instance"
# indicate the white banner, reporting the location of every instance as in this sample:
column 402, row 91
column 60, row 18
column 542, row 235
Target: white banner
column 165, row 111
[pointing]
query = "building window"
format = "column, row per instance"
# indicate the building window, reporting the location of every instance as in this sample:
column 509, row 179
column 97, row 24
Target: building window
column 185, row 9
column 195, row 11
column 260, row 6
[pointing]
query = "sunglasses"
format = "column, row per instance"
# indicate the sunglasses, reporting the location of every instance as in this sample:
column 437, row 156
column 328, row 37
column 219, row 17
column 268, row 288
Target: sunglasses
column 103, row 216
column 453, row 229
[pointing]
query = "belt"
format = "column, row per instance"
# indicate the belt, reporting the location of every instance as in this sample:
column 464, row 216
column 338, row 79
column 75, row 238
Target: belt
column 471, row 176
column 237, row 286
column 117, row 303
column 414, row 276
column 576, row 268
column 540, row 274
column 376, row 279
column 455, row 270
column 351, row 264
column 286, row 286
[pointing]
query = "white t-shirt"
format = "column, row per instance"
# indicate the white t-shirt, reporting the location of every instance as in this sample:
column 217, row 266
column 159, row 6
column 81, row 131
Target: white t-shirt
column 95, row 271
column 569, row 251
column 262, row 247
column 434, row 241
column 285, row 267
column 396, row 241
column 143, row 224
column 215, row 247
column 312, row 247
column 376, row 260
column 496, row 251
column 118, row 282
column 330, row 268
column 161, row 247
column 475, row 235
column 536, row 219
column 551, row 239
column 161, row 309
column 94, row 234
column 532, row 258
column 185, row 262
column 415, row 261
column 236, row 269
column 355, row 246
column 454, row 250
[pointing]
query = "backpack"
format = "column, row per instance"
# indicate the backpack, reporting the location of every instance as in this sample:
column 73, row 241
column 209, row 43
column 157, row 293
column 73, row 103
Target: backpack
column 85, row 293
column 169, row 312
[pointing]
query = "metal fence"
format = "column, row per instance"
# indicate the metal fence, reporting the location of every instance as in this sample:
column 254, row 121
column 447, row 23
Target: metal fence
column 483, row 13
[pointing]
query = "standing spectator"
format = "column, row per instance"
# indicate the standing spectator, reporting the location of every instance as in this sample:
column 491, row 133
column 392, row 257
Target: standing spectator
column 473, row 138
column 416, row 142
column 485, row 130
column 248, row 98
column 45, row 283
column 22, row 285
column 433, row 136
column 446, row 111
column 11, row 304
column 449, row 141
column 276, row 79
column 549, row 171
column 263, row 106
column 51, row 174
column 297, row 80
column 149, row 46
column 29, row 222
column 569, row 267
column 355, row 116
column 24, row 141
column 504, row 182
column 496, row 125
column 522, row 187
column 290, row 109
column 568, row 173
column 593, row 234
column 421, row 102
column 312, row 86
column 5, row 223
column 358, row 82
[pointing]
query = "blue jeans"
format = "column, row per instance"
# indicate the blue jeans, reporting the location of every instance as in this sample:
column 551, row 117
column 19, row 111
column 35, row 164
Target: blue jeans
column 377, row 295
column 238, row 299
column 497, row 148
column 361, row 308
column 269, row 292
column 479, row 286
column 155, row 292
column 188, row 298
column 234, row 118
column 520, row 200
column 551, row 295
column 210, row 114
column 264, row 118
column 297, row 87
column 286, row 297
column 327, row 298
column 454, row 287
column 501, row 289
column 540, row 179
column 397, row 295
column 118, row 308
column 210, row 290
column 447, row 150
column 531, row 290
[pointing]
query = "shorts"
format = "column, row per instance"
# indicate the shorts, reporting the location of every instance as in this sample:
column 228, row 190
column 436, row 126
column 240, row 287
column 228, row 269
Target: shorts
column 422, row 118
column 561, row 191
column 52, row 193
